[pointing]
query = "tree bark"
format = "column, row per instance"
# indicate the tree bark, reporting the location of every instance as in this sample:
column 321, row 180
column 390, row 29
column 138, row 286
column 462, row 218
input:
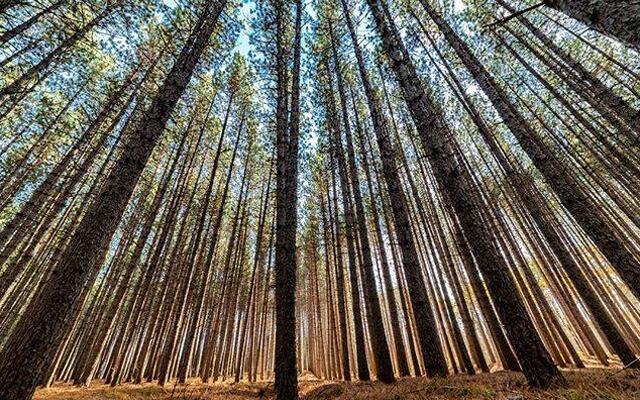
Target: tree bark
column 286, row 371
column 432, row 354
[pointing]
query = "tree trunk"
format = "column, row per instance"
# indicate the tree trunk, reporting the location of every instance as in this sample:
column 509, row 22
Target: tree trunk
column 596, row 91
column 553, row 169
column 403, row 366
column 286, row 373
column 18, row 29
column 357, row 224
column 432, row 354
column 17, row 87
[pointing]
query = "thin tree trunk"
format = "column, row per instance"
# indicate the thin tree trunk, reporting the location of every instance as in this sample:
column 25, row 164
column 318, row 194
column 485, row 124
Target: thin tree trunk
column 17, row 86
column 357, row 224
column 18, row 29
column 523, row 186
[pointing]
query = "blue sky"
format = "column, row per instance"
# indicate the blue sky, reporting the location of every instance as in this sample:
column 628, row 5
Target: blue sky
column 243, row 45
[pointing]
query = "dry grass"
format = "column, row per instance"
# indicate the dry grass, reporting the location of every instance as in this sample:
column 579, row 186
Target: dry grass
column 584, row 385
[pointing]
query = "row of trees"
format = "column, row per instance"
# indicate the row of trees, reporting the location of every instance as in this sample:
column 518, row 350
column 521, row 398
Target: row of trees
column 468, row 187
column 517, row 222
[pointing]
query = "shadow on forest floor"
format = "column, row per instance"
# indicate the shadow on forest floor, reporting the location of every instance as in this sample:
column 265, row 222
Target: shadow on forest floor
column 583, row 385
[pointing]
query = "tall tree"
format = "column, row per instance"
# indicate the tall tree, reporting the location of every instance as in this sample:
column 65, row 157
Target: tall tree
column 356, row 222
column 287, row 131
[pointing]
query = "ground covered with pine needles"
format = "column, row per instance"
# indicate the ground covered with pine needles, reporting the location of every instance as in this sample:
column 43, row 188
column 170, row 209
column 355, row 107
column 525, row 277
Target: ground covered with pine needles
column 583, row 385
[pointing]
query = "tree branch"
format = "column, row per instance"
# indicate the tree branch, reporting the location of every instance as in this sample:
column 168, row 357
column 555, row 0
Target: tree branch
column 514, row 15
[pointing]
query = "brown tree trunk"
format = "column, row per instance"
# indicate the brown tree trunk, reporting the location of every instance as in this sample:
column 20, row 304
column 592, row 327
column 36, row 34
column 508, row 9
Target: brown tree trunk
column 357, row 224
column 403, row 366
column 286, row 371
column 17, row 86
column 18, row 29
column 599, row 92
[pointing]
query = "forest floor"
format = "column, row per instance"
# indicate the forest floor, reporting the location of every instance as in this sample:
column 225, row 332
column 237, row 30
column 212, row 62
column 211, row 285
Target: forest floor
column 583, row 385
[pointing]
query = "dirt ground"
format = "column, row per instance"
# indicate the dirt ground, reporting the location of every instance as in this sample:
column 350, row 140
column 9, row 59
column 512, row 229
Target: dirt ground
column 583, row 385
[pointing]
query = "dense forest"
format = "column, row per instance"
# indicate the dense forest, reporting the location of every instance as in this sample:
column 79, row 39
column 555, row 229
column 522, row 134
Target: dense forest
column 209, row 193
